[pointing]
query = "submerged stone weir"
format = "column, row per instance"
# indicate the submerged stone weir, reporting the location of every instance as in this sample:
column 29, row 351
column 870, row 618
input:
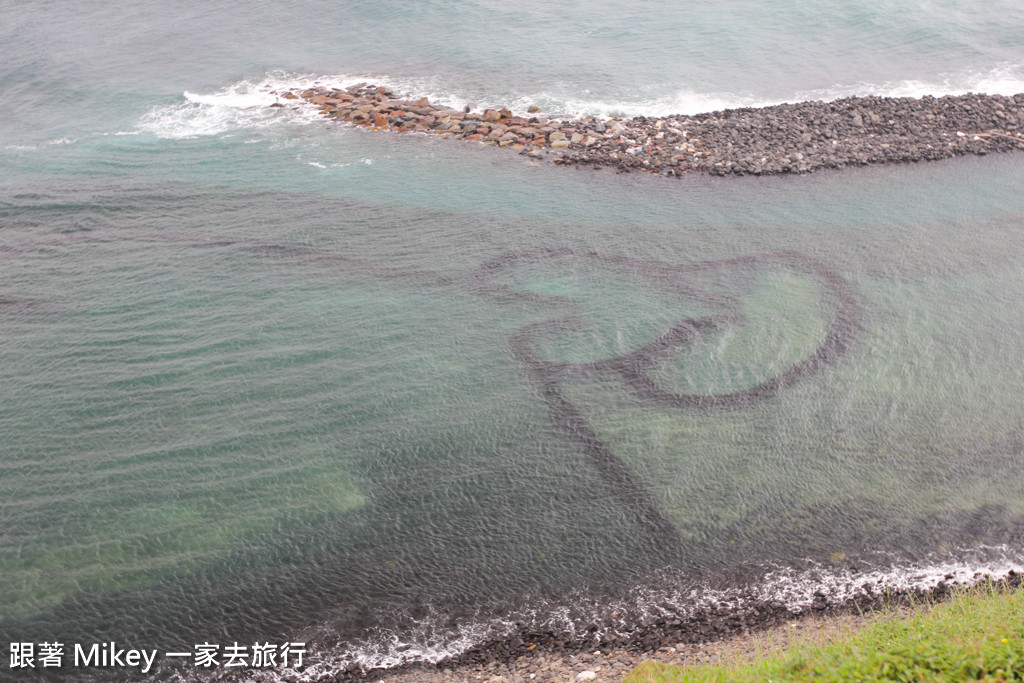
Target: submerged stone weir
column 549, row 376
column 785, row 138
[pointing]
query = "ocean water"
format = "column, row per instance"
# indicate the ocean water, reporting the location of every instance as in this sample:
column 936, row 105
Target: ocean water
column 266, row 378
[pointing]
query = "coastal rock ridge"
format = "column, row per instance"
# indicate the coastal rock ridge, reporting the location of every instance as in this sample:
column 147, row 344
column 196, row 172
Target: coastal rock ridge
column 785, row 138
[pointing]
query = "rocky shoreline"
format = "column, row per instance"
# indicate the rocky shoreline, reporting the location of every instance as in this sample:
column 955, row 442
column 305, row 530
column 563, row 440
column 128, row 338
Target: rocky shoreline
column 705, row 637
column 785, row 138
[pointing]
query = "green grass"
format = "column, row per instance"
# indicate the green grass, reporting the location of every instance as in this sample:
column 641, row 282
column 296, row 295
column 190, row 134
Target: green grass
column 977, row 635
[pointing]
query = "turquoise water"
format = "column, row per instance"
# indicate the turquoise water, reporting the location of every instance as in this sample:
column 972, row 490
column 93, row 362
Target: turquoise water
column 255, row 385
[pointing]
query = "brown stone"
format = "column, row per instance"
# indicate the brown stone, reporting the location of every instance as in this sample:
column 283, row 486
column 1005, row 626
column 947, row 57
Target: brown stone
column 491, row 115
column 421, row 102
column 290, row 96
column 533, row 109
column 475, row 136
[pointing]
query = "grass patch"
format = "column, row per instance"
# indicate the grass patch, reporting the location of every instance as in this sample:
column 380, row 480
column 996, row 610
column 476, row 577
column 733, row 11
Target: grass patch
column 978, row 635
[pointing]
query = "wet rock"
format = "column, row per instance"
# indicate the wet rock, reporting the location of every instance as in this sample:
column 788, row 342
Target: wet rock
column 792, row 138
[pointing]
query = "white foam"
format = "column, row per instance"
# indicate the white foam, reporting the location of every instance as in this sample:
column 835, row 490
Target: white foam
column 1003, row 79
column 386, row 650
column 56, row 142
column 799, row 590
column 234, row 97
column 243, row 106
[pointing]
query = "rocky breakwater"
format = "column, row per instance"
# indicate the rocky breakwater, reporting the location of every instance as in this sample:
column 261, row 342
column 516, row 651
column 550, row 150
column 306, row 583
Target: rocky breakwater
column 785, row 138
